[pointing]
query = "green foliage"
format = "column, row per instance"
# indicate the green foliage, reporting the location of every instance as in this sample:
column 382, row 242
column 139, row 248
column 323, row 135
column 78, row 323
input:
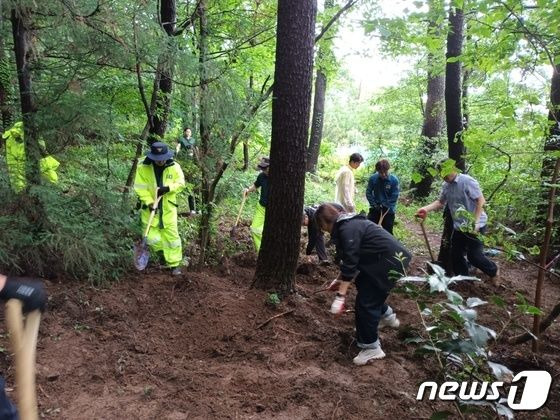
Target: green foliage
column 272, row 299
column 83, row 235
column 452, row 334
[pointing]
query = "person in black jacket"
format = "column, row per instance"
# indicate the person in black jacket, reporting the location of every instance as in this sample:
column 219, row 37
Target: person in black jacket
column 315, row 237
column 370, row 256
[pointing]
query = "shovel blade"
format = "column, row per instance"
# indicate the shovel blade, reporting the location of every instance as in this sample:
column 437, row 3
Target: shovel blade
column 141, row 255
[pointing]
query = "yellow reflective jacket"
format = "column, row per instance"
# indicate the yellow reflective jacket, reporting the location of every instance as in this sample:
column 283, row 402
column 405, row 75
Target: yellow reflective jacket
column 15, row 159
column 145, row 185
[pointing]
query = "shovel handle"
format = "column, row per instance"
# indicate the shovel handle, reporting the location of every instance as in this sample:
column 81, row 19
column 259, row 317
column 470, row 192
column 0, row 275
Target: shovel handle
column 152, row 215
column 382, row 216
column 24, row 343
column 240, row 209
column 426, row 239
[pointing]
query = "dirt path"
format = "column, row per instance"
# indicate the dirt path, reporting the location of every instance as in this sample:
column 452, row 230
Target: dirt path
column 153, row 346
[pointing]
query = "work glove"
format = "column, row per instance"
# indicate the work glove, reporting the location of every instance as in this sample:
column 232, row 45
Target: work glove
column 162, row 190
column 334, row 286
column 421, row 213
column 30, row 291
column 338, row 307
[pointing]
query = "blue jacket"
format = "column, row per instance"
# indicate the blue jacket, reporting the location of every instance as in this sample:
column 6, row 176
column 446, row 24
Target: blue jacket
column 383, row 192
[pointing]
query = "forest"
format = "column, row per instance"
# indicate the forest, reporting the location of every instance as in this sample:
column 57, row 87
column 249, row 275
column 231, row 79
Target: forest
column 164, row 169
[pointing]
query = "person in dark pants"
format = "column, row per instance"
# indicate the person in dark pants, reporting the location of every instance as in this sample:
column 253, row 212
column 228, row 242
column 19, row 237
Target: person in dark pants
column 315, row 237
column 261, row 182
column 371, row 256
column 463, row 196
column 382, row 194
column 33, row 296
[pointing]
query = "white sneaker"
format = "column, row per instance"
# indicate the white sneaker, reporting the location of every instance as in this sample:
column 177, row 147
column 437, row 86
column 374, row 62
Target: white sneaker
column 389, row 321
column 368, row 354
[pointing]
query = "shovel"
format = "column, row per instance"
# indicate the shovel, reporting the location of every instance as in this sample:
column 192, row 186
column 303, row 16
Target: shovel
column 433, row 260
column 233, row 231
column 382, row 216
column 141, row 251
column 24, row 343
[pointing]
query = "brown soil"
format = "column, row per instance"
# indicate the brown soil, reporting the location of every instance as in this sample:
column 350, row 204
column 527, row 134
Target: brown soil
column 153, row 346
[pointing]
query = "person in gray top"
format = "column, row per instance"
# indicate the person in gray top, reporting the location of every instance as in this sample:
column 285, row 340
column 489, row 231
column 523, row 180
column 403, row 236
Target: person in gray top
column 462, row 194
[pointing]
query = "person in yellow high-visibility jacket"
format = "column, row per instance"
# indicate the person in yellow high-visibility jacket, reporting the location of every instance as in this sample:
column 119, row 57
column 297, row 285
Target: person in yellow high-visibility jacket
column 15, row 159
column 261, row 182
column 160, row 175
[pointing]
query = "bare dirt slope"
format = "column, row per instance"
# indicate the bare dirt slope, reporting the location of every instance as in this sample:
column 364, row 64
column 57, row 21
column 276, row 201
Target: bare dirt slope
column 153, row 346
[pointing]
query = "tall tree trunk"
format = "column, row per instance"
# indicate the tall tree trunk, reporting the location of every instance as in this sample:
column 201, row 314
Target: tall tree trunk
column 454, row 118
column 22, row 47
column 245, row 154
column 317, row 121
column 206, row 188
column 552, row 143
column 453, row 89
column 434, row 109
column 279, row 253
column 318, row 117
column 5, row 85
column 166, row 61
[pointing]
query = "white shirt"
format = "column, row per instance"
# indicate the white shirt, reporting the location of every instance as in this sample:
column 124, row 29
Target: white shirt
column 344, row 192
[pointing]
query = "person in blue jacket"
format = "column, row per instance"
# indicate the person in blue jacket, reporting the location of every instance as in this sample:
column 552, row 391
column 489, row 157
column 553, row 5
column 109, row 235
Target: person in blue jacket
column 382, row 194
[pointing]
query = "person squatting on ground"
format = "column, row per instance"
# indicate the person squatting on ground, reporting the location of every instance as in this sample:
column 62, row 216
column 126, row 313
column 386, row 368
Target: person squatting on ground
column 315, row 236
column 382, row 194
column 33, row 296
column 160, row 176
column 345, row 184
column 371, row 256
column 186, row 148
column 462, row 194
column 258, row 219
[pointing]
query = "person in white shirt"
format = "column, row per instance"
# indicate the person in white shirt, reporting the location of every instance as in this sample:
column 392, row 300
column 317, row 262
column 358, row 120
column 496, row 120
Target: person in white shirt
column 345, row 189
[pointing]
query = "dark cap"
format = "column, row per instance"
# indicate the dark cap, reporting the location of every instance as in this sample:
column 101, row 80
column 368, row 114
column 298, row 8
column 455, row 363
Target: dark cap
column 159, row 151
column 264, row 163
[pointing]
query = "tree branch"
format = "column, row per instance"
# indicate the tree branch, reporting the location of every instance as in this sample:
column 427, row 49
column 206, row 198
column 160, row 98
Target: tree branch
column 500, row 185
column 545, row 323
column 335, row 18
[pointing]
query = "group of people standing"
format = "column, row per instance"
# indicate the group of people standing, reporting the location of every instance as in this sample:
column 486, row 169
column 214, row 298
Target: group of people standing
column 368, row 252
column 369, row 255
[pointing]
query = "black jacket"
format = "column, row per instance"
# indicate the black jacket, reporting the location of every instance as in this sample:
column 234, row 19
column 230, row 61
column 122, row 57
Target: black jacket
column 369, row 249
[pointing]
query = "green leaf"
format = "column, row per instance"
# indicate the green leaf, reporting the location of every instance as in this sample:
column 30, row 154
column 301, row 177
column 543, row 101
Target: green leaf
column 433, row 172
column 498, row 301
column 500, row 372
column 474, row 301
column 534, row 250
column 532, row 310
column 416, row 177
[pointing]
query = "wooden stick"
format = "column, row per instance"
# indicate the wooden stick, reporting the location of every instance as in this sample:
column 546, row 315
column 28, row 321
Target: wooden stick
column 426, row 239
column 240, row 210
column 274, row 317
column 24, row 343
column 382, row 216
